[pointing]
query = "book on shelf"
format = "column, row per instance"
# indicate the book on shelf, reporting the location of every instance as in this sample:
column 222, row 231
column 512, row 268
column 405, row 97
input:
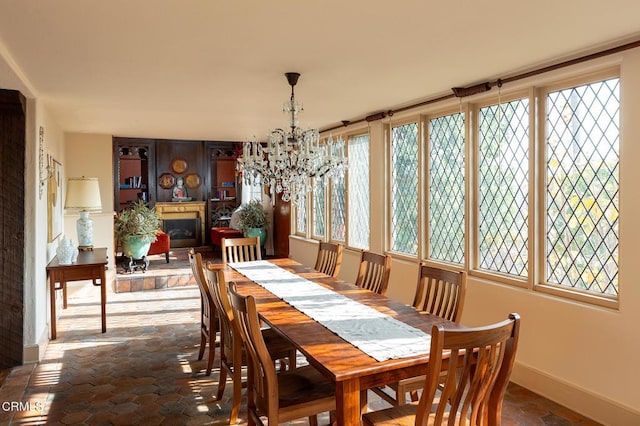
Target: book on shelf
column 132, row 182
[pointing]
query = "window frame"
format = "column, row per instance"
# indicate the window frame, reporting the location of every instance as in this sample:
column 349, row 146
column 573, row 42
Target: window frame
column 474, row 253
column 464, row 109
column 418, row 119
column 347, row 177
column 540, row 285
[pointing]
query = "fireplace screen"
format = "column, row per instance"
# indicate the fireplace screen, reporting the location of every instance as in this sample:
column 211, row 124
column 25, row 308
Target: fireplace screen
column 183, row 232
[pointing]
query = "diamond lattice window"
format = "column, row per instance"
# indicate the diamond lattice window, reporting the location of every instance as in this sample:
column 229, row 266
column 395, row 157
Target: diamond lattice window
column 582, row 184
column 301, row 215
column 359, row 190
column 446, row 188
column 318, row 208
column 404, row 188
column 337, row 209
column 503, row 175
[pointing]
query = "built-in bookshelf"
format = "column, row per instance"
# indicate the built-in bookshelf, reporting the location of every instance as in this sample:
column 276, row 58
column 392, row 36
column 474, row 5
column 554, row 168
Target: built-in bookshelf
column 224, row 189
column 133, row 170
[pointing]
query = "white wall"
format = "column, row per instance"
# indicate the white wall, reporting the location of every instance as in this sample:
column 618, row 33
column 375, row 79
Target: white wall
column 38, row 252
column 91, row 155
column 579, row 355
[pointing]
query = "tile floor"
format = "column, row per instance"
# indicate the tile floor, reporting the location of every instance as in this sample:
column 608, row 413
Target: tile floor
column 144, row 371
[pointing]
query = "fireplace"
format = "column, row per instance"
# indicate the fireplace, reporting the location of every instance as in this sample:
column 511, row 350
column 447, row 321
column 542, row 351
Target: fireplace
column 183, row 232
column 184, row 222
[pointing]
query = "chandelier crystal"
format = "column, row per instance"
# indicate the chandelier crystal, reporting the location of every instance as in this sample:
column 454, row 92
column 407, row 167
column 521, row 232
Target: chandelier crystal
column 293, row 159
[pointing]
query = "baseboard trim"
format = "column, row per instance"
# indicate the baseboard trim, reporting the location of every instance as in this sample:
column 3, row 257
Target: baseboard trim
column 34, row 353
column 596, row 407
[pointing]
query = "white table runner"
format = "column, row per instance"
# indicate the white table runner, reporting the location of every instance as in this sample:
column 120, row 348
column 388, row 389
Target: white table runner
column 374, row 333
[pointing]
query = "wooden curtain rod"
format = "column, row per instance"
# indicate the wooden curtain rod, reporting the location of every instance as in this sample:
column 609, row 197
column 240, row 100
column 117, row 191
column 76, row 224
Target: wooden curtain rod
column 461, row 92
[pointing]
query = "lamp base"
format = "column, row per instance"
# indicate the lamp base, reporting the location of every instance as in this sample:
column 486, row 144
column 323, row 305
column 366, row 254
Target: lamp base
column 85, row 248
column 84, row 226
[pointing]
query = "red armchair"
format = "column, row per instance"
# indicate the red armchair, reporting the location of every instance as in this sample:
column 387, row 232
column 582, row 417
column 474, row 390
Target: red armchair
column 161, row 245
column 217, row 234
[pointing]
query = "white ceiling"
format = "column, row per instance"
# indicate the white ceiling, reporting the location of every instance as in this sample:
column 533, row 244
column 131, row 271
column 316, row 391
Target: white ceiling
column 213, row 69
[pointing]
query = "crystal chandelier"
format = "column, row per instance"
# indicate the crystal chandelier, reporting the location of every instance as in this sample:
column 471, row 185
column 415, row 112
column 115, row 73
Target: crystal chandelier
column 293, row 159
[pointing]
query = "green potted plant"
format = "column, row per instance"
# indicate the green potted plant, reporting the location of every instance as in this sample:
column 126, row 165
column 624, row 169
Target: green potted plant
column 252, row 220
column 135, row 229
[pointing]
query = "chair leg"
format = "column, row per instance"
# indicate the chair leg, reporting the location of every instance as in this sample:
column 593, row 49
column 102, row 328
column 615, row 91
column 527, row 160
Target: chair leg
column 414, row 395
column 166, row 256
column 212, row 355
column 364, row 401
column 237, row 394
column 222, row 382
column 293, row 359
column 401, row 395
column 313, row 420
column 203, row 344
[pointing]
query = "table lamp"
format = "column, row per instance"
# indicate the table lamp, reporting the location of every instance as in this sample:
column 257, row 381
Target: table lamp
column 83, row 193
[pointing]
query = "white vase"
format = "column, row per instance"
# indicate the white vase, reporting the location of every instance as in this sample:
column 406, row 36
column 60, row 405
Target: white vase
column 65, row 251
column 74, row 258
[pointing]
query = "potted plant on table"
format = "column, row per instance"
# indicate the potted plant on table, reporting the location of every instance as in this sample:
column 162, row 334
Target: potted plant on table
column 252, row 220
column 135, row 229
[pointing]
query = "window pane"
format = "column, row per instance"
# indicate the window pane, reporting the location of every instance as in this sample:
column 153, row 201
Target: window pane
column 503, row 188
column 359, row 191
column 582, row 185
column 446, row 188
column 404, row 188
column 301, row 214
column 337, row 208
column 318, row 208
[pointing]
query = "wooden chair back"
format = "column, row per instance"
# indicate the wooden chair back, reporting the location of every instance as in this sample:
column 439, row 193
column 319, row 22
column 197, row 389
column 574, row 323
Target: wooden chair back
column 262, row 379
column 474, row 390
column 231, row 353
column 208, row 313
column 440, row 292
column 240, row 249
column 329, row 258
column 374, row 272
column 227, row 326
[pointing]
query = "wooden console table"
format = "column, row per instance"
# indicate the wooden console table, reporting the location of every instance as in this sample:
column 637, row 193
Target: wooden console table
column 89, row 266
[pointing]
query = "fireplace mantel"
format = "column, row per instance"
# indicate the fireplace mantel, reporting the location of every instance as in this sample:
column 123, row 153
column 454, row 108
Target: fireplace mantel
column 183, row 210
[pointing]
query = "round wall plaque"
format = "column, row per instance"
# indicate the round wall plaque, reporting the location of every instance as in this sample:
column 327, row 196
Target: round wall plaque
column 166, row 181
column 179, row 165
column 192, row 180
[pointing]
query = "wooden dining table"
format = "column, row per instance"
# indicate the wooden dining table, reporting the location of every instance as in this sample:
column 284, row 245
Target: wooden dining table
column 351, row 370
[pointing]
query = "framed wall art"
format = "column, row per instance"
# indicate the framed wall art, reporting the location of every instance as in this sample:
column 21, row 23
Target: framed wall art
column 54, row 200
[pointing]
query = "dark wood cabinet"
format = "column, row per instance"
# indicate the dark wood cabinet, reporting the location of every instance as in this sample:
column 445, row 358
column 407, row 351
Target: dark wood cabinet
column 134, row 172
column 181, row 159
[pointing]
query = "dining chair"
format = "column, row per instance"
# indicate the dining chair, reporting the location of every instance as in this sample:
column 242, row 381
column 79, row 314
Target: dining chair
column 374, row 272
column 329, row 258
column 240, row 249
column 208, row 314
column 232, row 353
column 281, row 397
column 475, row 385
column 439, row 292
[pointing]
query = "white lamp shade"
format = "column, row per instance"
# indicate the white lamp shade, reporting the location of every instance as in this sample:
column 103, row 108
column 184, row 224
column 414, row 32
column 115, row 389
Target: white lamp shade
column 83, row 193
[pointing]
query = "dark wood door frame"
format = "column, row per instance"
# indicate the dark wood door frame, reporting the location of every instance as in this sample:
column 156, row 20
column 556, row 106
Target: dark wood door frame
column 12, row 223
